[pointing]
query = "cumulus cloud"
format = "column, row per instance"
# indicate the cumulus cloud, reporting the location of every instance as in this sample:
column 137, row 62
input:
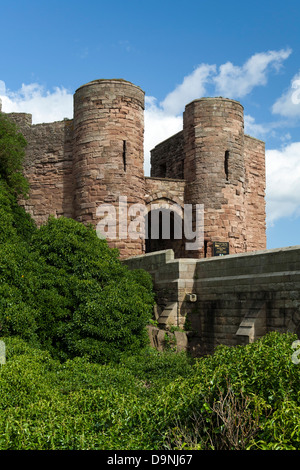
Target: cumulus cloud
column 44, row 105
column 235, row 81
column 229, row 80
column 192, row 87
column 288, row 105
column 164, row 119
column 254, row 129
column 158, row 127
column 283, row 182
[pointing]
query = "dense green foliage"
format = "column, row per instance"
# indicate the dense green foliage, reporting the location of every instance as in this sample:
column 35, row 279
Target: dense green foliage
column 79, row 373
column 68, row 292
column 12, row 153
column 241, row 397
column 61, row 287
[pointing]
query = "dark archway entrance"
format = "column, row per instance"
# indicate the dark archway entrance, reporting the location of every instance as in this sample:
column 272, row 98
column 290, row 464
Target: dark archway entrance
column 164, row 230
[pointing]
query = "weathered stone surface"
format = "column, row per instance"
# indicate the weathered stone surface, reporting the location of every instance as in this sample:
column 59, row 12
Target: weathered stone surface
column 76, row 165
column 177, row 340
column 240, row 297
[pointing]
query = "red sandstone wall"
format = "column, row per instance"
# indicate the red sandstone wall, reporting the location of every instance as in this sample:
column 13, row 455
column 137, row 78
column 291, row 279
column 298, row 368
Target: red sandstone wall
column 108, row 152
column 76, row 165
column 213, row 126
column 255, row 193
column 48, row 167
column 167, row 158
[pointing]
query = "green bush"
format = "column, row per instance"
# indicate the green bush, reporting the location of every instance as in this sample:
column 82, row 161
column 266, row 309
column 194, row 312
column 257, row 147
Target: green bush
column 12, row 153
column 163, row 402
column 62, row 287
column 77, row 405
column 69, row 292
column 235, row 398
column 15, row 224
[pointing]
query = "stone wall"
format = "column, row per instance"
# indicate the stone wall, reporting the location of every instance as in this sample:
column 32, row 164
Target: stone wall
column 48, row 167
column 77, row 166
column 109, row 153
column 254, row 152
column 74, row 166
column 167, row 158
column 223, row 169
column 227, row 300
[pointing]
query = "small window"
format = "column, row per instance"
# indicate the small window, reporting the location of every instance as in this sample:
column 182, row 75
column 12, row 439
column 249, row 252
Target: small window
column 226, row 164
column 163, row 170
column 181, row 169
column 124, row 154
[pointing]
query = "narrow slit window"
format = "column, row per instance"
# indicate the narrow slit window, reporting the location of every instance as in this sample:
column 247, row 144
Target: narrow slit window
column 226, row 164
column 124, row 154
column 163, row 170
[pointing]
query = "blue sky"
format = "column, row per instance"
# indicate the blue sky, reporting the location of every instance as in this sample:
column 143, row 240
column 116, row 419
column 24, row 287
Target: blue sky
column 175, row 51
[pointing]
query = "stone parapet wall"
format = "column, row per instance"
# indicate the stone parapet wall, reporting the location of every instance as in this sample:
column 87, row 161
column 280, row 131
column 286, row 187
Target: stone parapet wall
column 228, row 300
column 167, row 158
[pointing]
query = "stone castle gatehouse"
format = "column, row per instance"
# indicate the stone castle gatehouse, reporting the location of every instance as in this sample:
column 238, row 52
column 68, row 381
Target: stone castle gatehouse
column 74, row 166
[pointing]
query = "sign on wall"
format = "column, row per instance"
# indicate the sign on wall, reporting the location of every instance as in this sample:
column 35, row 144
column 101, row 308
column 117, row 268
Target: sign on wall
column 220, row 248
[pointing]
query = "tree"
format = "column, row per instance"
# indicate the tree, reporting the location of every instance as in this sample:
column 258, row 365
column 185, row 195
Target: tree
column 12, row 153
column 61, row 287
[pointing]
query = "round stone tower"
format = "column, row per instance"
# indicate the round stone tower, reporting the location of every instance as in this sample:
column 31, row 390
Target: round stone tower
column 108, row 163
column 214, row 170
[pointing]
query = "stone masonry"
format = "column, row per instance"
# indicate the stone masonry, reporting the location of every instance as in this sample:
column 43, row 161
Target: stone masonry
column 75, row 166
column 231, row 300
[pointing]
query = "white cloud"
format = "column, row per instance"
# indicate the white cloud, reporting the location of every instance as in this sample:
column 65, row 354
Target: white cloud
column 158, row 127
column 288, row 104
column 235, row 81
column 192, row 87
column 164, row 119
column 283, row 182
column 45, row 106
column 255, row 130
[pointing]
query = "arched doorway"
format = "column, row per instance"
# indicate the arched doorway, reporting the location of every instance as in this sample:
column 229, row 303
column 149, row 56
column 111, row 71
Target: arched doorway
column 164, row 229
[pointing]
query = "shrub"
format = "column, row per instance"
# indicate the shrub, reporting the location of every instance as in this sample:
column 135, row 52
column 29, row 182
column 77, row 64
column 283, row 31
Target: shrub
column 45, row 404
column 70, row 292
column 235, row 398
column 12, row 153
column 15, row 224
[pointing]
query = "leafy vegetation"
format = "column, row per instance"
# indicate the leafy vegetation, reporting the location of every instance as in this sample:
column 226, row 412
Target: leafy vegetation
column 79, row 374
column 61, row 287
column 68, row 292
column 12, row 153
column 239, row 398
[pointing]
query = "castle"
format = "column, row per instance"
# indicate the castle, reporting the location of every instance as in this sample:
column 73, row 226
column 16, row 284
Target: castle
column 97, row 160
column 74, row 166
